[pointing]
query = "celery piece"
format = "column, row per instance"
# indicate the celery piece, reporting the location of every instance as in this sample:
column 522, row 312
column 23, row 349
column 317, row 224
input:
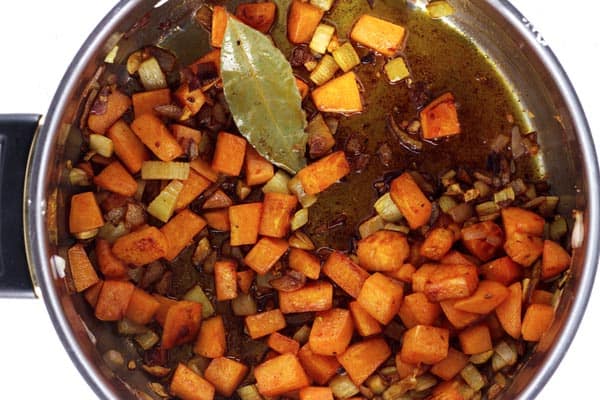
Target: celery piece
column 473, row 377
column 325, row 70
column 165, row 170
column 147, row 340
column 79, row 177
column 343, row 387
column 197, row 295
column 387, row 209
column 321, row 38
column 127, row 327
column 163, row 205
column 295, row 187
column 324, row 5
column 371, row 226
column 277, row 184
column 151, row 75
column 101, row 145
column 396, row 70
column 299, row 219
column 249, row 392
column 346, row 57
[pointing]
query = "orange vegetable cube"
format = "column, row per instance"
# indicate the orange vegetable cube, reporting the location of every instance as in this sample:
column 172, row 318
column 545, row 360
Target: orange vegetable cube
column 405, row 369
column 403, row 274
column 130, row 150
column 421, row 276
column 509, row 312
column 182, row 132
column 541, row 297
column 245, row 221
column 145, row 102
column 381, row 297
column 458, row 318
column 141, row 247
column 339, row 95
column 281, row 374
column 142, row 307
column 524, row 249
column 378, row 34
column 82, row 271
column 383, row 251
column 316, row 296
column 456, row 257
column 276, row 215
column 449, row 281
column 487, row 296
column 113, row 300
column 116, row 105
column 204, row 169
column 283, row 344
column 555, row 259
column 503, row 270
column 425, row 344
column 265, row 254
column 245, row 279
column 321, row 174
column 188, row 385
column 165, row 304
column 260, row 16
column 438, row 242
column 302, row 88
column 439, row 118
column 265, row 323
column 211, row 341
column 345, row 273
column 229, row 154
column 193, row 187
column 115, row 178
column 219, row 24
column 213, row 56
column 258, row 170
column 181, row 230
column 304, row 262
column 320, row 368
column 225, row 375
column 361, row 359
column 316, row 393
column 416, row 309
column 519, row 220
column 225, row 279
column 475, row 339
column 450, row 366
column 331, row 332
column 537, row 320
column 410, row 200
column 483, row 240
column 157, row 137
column 91, row 294
column 450, row 390
column 365, row 324
column 85, row 214
column 218, row 219
column 182, row 324
column 191, row 100
column 303, row 19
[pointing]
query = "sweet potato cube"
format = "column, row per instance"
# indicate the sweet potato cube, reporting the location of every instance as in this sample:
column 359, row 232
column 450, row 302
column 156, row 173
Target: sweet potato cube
column 116, row 105
column 265, row 254
column 405, row 369
column 317, row 296
column 229, row 154
column 181, row 230
column 378, row 34
column 421, row 276
column 361, row 359
column 265, row 323
column 260, row 16
column 115, row 178
column 449, row 281
column 339, row 95
column 225, row 375
column 257, row 169
column 182, row 324
column 218, row 219
column 281, row 374
column 381, row 297
column 303, row 19
column 91, row 294
column 316, row 393
column 383, row 251
column 537, row 320
column 403, row 274
column 245, row 279
column 218, row 199
column 219, row 24
column 165, row 304
column 145, row 102
column 320, row 368
column 141, row 247
column 555, row 259
column 321, row 174
column 85, row 214
column 83, row 273
column 331, row 332
column 541, row 297
column 303, row 88
column 450, row 390
column 283, row 344
column 487, row 296
column 424, row 344
column 438, row 242
column 191, row 100
column 519, row 220
column 439, row 118
column 416, row 309
column 509, row 312
column 113, row 300
column 225, row 279
column 304, row 262
column 130, row 150
column 204, row 169
column 450, row 366
column 503, row 270
column 188, row 385
column 276, row 215
column 345, row 273
column 365, row 324
column 458, row 318
column 245, row 221
column 524, row 249
column 475, row 339
column 193, row 187
column 211, row 341
column 483, row 240
column 157, row 137
column 142, row 307
column 410, row 200
column 456, row 257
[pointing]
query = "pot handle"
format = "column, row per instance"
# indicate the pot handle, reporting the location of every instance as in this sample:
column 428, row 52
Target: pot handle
column 16, row 135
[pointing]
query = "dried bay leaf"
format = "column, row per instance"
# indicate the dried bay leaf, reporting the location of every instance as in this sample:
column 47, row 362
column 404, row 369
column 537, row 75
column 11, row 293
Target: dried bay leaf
column 261, row 92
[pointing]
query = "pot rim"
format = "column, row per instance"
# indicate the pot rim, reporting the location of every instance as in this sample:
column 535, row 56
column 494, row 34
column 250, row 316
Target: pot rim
column 39, row 172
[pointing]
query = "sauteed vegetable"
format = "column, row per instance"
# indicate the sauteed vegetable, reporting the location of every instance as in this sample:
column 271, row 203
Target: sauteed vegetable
column 294, row 217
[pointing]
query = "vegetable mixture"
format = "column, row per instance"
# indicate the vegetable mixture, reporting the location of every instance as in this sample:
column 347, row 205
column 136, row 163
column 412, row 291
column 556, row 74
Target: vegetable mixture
column 197, row 233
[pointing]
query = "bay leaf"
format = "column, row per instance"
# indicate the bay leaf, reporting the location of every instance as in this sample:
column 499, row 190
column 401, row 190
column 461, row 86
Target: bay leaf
column 261, row 92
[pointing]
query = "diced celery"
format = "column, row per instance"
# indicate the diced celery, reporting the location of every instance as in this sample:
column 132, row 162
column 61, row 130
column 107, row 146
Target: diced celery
column 396, row 70
column 277, row 184
column 343, row 387
column 299, row 219
column 346, row 57
column 202, row 251
column 111, row 233
column 439, row 9
column 558, row 228
column 486, row 208
column 321, row 38
column 151, row 75
column 505, row 195
column 376, row 383
column 387, row 209
column 447, row 203
column 249, row 392
column 473, row 377
column 197, row 295
column 243, row 305
column 481, row 357
column 325, row 70
column 371, row 226
column 147, row 340
column 163, row 205
column 79, row 177
column 166, row 170
column 112, row 54
column 425, row 382
column 295, row 186
column 128, row 327
column 324, row 5
column 101, row 145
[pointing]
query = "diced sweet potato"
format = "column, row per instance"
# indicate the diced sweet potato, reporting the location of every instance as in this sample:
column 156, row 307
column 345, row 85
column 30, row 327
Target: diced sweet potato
column 405, row 369
column 141, row 247
column 483, row 240
column 130, row 150
column 219, row 24
column 439, row 118
column 303, row 19
column 503, row 270
column 182, row 324
column 449, row 281
column 245, row 279
column 83, row 273
column 211, row 341
column 116, row 105
column 145, row 102
column 416, row 309
column 331, row 332
column 537, row 320
column 283, row 344
column 260, row 16
column 279, row 375
column 193, row 187
column 509, row 312
column 403, row 274
column 555, row 259
column 225, row 375
column 456, row 257
column 475, row 339
column 450, row 366
column 85, row 214
column 361, row 359
column 381, row 297
column 218, row 219
column 276, row 215
column 304, row 262
column 157, row 137
column 365, row 324
column 383, row 251
column 424, row 344
column 258, row 170
column 540, row 296
column 447, row 391
column 524, row 249
column 265, row 254
column 320, row 368
column 458, row 318
column 519, row 220
column 345, row 273
column 225, row 279
column 410, row 200
column 487, row 296
column 204, row 169
column 421, row 277
column 318, row 176
column 115, row 178
column 142, row 307
column 181, row 230
column 316, row 393
column 437, row 243
column 339, row 95
column 245, row 220
column 188, row 385
column 229, row 154
column 110, row 266
column 91, row 294
column 378, row 34
column 265, row 323
column 317, row 296
column 113, row 300
column 165, row 304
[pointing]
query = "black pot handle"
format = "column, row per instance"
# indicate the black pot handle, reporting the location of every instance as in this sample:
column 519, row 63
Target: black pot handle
column 16, row 135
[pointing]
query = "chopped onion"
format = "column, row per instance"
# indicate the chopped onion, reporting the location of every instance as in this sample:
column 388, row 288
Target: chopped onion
column 302, row 334
column 578, row 230
column 343, row 387
column 473, row 377
column 371, row 226
column 151, row 75
column 300, row 240
column 499, row 143
column 516, row 143
column 79, row 177
column 163, row 205
column 277, row 184
column 197, row 295
column 321, row 38
column 299, row 219
column 101, row 145
column 461, row 212
column 291, row 281
column 147, row 340
column 295, row 186
column 244, row 305
column 387, row 209
column 126, row 326
column 249, row 392
column 439, row 9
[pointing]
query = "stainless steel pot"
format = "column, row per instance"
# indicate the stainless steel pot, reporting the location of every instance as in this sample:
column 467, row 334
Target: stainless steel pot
column 496, row 27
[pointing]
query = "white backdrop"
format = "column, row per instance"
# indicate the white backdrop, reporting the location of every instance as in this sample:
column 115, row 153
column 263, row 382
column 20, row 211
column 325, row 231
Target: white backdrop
column 39, row 38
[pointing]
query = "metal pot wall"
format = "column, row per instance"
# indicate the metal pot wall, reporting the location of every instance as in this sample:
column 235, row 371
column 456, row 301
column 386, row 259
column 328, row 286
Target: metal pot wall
column 497, row 28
